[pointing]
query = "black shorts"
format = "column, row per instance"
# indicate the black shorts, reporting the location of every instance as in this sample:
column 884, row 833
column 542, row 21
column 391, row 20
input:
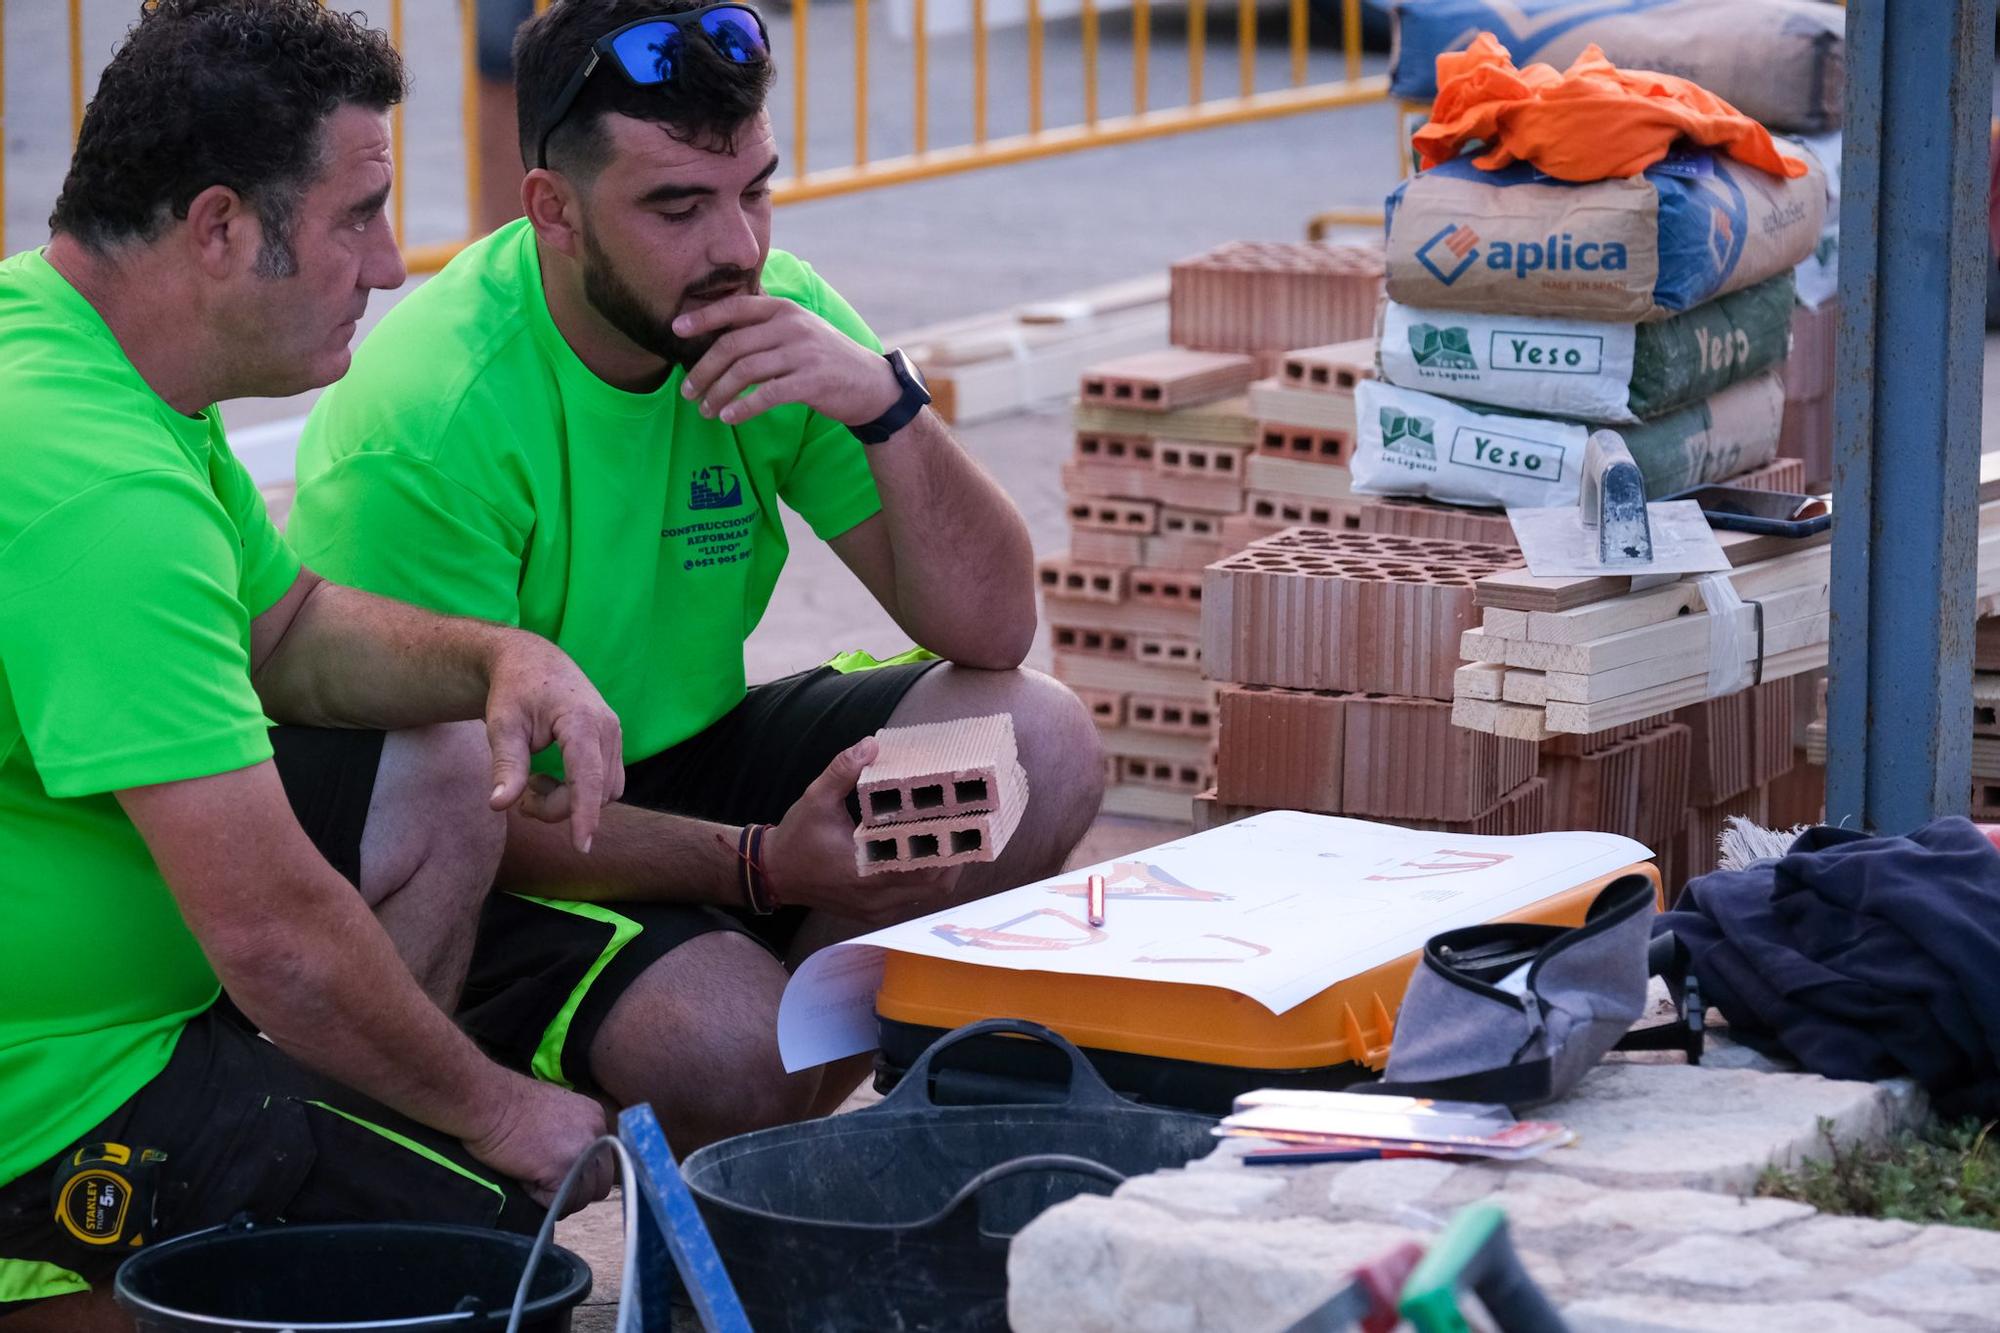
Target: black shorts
column 248, row 1130
column 545, row 973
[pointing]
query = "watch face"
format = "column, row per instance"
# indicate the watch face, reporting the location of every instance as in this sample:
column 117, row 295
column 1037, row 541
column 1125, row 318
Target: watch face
column 908, row 369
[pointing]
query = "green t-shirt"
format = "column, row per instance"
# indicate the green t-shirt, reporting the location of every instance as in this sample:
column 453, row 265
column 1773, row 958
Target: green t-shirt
column 134, row 552
column 471, row 464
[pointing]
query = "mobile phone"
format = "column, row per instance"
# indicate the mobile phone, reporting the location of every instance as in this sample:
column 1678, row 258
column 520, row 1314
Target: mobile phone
column 1774, row 513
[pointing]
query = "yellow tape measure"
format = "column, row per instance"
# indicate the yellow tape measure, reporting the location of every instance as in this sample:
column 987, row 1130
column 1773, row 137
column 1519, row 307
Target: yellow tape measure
column 105, row 1192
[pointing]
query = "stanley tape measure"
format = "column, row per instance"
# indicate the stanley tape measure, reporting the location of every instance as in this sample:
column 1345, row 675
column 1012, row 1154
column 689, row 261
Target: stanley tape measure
column 105, row 1193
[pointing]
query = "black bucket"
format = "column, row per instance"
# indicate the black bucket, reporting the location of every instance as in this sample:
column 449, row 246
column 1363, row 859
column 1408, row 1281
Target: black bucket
column 400, row 1276
column 898, row 1217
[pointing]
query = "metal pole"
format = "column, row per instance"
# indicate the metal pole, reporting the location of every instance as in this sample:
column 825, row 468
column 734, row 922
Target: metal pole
column 1913, row 256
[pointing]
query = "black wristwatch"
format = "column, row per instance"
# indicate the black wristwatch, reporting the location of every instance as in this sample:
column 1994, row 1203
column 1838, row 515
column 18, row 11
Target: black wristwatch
column 914, row 400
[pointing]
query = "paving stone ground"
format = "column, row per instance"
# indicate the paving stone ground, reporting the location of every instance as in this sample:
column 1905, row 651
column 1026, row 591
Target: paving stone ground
column 1643, row 1226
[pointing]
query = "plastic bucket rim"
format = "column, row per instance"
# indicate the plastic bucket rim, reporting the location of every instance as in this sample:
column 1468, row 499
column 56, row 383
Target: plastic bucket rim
column 574, row 1290
column 699, row 1187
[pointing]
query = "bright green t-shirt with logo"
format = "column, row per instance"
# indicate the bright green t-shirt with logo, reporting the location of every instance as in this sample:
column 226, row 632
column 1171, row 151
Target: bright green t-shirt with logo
column 470, row 463
column 134, row 553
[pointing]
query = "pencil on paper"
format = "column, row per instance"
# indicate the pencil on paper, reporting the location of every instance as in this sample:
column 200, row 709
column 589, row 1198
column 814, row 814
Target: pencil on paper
column 1095, row 908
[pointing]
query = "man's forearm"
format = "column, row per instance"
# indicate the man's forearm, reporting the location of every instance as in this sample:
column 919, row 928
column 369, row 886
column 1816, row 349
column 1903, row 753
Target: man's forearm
column 326, row 985
column 965, row 567
column 638, row 855
column 352, row 659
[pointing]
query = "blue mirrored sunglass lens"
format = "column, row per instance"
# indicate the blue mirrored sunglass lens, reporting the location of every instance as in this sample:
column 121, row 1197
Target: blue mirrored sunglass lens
column 648, row 52
column 736, row 35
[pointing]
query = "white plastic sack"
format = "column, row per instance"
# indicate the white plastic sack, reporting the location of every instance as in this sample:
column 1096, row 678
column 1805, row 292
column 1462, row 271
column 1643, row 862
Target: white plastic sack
column 1819, row 272
column 1411, row 443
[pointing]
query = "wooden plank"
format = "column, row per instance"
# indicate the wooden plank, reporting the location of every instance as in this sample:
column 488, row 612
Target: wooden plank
column 1476, row 714
column 1657, row 606
column 1521, row 724
column 1478, row 680
column 1652, row 672
column 1686, row 633
column 1476, row 646
column 1225, row 422
column 1504, row 624
column 1574, row 717
column 1526, row 687
column 1518, row 590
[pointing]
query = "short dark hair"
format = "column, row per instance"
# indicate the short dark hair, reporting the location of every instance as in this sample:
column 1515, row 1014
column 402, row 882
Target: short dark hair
column 218, row 92
column 707, row 101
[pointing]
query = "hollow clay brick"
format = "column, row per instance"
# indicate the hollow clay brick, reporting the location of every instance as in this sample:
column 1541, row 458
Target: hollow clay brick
column 1425, row 518
column 1721, row 764
column 1522, row 811
column 1771, row 721
column 1280, row 749
column 1780, row 475
column 1291, row 511
column 1179, row 680
column 1576, row 746
column 928, row 844
column 1094, row 547
column 1213, row 494
column 1106, row 707
column 1405, row 760
column 1663, row 783
column 1334, row 368
column 1210, row 811
column 1167, row 650
column 1808, row 371
column 1251, row 296
column 1123, row 450
column 1986, row 644
column 1636, row 788
column 1702, row 830
column 1319, row 610
column 1195, row 458
column 1806, row 432
column 1799, row 797
column 1166, row 380
column 1173, row 588
column 1170, row 716
column 1305, row 444
column 1097, row 515
column 1175, row 775
column 1090, row 640
column 938, row 768
column 1082, row 582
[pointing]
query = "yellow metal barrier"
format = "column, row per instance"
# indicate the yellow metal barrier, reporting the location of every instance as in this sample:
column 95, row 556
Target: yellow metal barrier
column 924, row 162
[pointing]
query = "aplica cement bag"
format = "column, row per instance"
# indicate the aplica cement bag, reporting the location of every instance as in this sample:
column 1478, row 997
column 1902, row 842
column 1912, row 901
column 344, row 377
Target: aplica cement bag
column 1516, row 242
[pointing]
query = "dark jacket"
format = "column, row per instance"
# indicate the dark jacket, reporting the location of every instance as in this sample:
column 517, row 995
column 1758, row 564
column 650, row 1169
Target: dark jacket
column 1862, row 957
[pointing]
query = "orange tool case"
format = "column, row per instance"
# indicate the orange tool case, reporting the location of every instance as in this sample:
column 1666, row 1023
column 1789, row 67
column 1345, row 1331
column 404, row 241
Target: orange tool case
column 1195, row 1047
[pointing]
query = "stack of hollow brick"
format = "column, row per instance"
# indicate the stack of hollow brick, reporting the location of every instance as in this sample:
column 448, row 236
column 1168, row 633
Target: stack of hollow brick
column 940, row 794
column 1337, row 651
column 1173, row 468
column 1807, row 431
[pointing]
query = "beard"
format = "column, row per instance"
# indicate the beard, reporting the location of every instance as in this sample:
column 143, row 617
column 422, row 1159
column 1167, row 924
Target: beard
column 623, row 308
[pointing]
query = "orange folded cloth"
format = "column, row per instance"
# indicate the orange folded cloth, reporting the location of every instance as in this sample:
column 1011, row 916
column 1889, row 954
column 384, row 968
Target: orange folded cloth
column 1591, row 122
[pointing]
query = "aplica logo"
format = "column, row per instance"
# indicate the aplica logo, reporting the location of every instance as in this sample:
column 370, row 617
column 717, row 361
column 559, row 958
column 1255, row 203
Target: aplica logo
column 1449, row 253
column 715, row 488
column 1408, row 435
column 1442, row 349
column 1457, row 248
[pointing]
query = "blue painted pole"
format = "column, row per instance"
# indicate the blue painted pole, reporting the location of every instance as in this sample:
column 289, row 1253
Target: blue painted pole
column 1913, row 256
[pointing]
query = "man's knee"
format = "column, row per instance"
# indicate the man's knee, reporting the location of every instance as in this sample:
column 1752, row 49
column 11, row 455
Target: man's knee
column 432, row 807
column 696, row 1036
column 1064, row 756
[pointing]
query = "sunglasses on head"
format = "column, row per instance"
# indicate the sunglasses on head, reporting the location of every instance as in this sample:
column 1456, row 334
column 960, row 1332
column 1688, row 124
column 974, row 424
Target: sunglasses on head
column 649, row 52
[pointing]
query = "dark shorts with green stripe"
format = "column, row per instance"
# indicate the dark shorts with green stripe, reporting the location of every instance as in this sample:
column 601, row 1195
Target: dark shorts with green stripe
column 248, row 1129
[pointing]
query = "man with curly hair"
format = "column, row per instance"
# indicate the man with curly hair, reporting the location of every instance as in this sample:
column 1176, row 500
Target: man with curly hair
column 178, row 876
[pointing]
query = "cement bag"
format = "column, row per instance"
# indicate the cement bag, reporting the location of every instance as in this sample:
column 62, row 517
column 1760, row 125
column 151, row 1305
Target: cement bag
column 1819, row 272
column 1732, row 432
column 1589, row 369
column 1517, row 242
column 1782, row 62
column 1410, row 443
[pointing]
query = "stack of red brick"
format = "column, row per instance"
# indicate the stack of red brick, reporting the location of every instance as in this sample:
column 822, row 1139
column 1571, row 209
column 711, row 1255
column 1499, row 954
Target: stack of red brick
column 1174, row 468
column 1338, row 649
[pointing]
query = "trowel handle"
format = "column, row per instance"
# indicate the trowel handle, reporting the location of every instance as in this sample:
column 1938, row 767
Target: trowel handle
column 1476, row 1253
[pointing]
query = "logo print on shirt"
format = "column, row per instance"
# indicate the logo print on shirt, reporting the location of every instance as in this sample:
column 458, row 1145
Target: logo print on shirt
column 715, row 487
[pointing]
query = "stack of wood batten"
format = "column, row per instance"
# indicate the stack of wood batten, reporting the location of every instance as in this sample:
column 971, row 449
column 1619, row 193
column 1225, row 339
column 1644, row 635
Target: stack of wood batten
column 1182, row 457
